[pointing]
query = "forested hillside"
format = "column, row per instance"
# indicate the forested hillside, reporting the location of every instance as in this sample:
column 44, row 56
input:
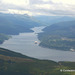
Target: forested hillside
column 16, row 23
column 59, row 36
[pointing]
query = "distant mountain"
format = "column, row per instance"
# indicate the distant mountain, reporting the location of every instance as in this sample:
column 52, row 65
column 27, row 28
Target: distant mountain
column 49, row 20
column 62, row 28
column 59, row 36
column 15, row 23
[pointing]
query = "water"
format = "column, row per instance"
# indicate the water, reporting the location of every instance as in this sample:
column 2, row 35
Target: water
column 25, row 43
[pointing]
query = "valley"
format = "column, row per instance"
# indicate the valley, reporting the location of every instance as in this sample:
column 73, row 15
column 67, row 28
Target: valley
column 37, row 37
column 19, row 55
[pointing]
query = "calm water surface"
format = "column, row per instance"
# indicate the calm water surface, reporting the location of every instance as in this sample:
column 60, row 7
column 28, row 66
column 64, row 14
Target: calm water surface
column 25, row 44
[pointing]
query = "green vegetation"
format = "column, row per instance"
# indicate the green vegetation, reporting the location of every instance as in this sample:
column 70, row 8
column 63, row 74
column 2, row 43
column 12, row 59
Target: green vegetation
column 68, row 67
column 7, row 52
column 15, row 23
column 12, row 63
column 59, row 36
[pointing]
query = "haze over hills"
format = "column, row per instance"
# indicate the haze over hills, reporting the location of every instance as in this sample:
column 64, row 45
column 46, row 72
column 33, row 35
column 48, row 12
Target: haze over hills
column 59, row 36
column 16, row 23
column 49, row 20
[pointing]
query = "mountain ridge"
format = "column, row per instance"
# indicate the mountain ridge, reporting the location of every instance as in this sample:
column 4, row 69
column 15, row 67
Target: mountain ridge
column 16, row 23
column 49, row 20
column 60, row 36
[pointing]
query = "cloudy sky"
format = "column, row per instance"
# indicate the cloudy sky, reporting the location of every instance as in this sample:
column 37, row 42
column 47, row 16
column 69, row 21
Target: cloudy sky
column 38, row 7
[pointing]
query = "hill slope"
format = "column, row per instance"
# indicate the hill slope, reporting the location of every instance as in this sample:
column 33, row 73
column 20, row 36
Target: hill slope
column 17, row 64
column 12, row 63
column 59, row 36
column 16, row 23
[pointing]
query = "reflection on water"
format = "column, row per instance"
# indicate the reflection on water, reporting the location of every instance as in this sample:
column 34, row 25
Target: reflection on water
column 25, row 44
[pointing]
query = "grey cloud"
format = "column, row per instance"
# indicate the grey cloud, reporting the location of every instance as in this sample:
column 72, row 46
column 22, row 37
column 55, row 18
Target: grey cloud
column 54, row 12
column 40, row 2
column 58, row 10
column 35, row 1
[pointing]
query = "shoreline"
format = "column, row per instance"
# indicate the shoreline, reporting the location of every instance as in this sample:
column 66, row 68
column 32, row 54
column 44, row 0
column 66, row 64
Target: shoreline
column 24, row 43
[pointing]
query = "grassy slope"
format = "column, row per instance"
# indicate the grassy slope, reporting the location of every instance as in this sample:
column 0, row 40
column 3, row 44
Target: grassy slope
column 18, row 64
column 66, row 65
